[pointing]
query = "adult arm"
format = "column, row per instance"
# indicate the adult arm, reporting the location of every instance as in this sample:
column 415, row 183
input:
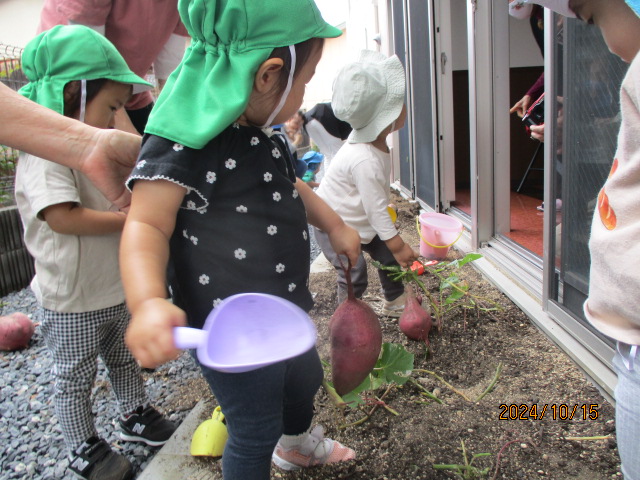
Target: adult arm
column 144, row 254
column 106, row 157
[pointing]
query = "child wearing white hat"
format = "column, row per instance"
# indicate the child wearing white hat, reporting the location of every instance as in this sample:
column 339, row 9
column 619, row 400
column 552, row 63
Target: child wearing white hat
column 369, row 95
column 612, row 306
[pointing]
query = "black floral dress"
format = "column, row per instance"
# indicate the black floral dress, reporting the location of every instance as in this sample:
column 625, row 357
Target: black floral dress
column 242, row 226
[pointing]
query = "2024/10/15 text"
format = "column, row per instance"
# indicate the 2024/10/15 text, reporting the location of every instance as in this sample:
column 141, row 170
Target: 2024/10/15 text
column 560, row 411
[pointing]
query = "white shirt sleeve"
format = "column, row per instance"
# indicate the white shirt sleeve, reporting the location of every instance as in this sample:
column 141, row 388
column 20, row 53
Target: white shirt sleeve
column 170, row 56
column 374, row 195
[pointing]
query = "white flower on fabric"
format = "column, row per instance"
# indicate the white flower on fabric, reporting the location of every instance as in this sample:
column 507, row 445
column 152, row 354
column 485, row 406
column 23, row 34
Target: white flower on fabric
column 240, row 254
column 272, row 229
column 280, row 268
column 217, row 302
column 202, row 211
column 211, row 177
column 141, row 164
column 194, row 240
column 236, row 125
column 230, row 164
column 241, row 209
column 295, row 193
column 292, row 287
column 191, row 205
column 204, row 279
column 277, row 196
column 276, row 153
column 254, row 141
column 177, row 147
column 185, row 234
column 305, row 234
column 268, row 177
column 170, row 291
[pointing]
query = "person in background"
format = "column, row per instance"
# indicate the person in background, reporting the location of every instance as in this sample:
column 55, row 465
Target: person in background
column 106, row 157
column 313, row 160
column 612, row 305
column 326, row 131
column 215, row 194
column 297, row 135
column 369, row 94
column 147, row 33
column 73, row 233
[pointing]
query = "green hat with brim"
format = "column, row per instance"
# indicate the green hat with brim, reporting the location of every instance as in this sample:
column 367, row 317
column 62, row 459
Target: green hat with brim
column 230, row 39
column 67, row 53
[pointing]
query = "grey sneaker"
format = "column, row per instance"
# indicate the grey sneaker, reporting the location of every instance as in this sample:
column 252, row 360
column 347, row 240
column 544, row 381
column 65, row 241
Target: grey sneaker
column 148, row 426
column 394, row 308
column 94, row 460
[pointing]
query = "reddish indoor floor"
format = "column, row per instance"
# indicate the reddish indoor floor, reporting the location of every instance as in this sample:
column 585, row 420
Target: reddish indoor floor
column 526, row 219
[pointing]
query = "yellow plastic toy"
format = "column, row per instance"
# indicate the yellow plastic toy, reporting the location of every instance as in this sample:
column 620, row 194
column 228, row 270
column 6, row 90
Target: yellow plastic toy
column 210, row 437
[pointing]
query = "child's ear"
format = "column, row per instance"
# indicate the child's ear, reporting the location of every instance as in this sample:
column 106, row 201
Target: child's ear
column 268, row 74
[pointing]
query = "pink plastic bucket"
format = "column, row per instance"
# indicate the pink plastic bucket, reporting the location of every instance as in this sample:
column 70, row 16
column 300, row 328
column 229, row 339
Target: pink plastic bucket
column 437, row 233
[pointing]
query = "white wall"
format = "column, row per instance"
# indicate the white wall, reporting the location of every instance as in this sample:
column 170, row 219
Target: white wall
column 18, row 21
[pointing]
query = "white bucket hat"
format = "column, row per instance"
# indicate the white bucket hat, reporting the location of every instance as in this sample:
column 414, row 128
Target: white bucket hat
column 369, row 95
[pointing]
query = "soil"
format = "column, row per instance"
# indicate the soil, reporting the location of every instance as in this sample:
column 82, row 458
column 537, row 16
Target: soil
column 465, row 353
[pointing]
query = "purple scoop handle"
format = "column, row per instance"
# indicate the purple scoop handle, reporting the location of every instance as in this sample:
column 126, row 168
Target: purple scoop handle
column 185, row 337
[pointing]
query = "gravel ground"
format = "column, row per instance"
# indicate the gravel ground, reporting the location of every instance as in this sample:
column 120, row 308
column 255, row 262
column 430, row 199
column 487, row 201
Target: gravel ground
column 32, row 443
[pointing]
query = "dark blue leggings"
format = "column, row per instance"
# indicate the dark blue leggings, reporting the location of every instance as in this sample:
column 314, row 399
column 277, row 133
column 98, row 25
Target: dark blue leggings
column 261, row 405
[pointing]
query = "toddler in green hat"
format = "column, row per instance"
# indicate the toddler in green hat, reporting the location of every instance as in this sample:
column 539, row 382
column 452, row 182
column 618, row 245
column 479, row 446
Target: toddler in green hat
column 215, row 198
column 73, row 233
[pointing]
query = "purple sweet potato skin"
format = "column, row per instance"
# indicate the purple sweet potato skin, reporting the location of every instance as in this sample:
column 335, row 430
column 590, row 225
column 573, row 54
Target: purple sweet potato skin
column 16, row 331
column 415, row 322
column 356, row 340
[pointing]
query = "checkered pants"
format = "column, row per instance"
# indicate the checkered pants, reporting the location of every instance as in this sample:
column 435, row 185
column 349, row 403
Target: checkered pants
column 76, row 340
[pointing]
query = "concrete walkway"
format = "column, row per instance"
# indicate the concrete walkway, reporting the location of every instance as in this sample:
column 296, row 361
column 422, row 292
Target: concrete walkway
column 174, row 460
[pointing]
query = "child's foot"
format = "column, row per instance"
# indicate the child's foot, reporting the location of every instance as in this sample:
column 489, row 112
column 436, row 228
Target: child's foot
column 146, row 425
column 394, row 308
column 315, row 450
column 94, row 460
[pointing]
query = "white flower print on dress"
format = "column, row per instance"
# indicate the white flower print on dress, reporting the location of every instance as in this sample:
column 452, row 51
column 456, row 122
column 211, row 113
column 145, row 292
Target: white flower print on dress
column 277, row 196
column 272, row 229
column 185, row 234
column 204, row 279
column 230, row 164
column 304, row 234
column 191, row 205
column 240, row 254
column 280, row 268
column 268, row 177
column 276, row 153
column 236, row 125
column 141, row 164
column 177, row 147
column 295, row 193
column 217, row 302
column 241, row 209
column 254, row 141
column 292, row 287
column 211, row 177
column 194, row 240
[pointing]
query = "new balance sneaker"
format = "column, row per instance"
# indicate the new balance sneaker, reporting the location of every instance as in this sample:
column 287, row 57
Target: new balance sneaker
column 94, row 460
column 314, row 451
column 146, row 425
column 394, row 308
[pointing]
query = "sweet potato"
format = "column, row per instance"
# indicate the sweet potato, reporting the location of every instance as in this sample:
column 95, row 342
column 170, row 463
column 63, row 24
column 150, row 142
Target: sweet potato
column 356, row 340
column 16, row 330
column 415, row 322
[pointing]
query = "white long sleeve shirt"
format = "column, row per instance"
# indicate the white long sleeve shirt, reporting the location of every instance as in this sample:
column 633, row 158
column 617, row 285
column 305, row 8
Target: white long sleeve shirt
column 357, row 187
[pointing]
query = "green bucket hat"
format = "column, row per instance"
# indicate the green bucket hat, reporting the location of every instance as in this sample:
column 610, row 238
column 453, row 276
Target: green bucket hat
column 67, row 53
column 230, row 39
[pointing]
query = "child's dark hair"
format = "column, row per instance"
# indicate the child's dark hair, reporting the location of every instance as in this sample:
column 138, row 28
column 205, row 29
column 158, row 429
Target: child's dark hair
column 72, row 94
column 303, row 53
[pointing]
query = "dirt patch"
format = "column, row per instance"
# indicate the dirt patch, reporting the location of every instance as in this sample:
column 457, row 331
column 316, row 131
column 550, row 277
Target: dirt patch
column 465, row 353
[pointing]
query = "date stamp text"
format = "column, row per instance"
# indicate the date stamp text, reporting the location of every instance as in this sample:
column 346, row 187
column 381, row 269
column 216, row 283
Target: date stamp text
column 554, row 411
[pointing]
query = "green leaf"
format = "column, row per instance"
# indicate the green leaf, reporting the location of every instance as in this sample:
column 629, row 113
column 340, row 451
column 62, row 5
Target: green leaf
column 461, row 262
column 449, row 281
column 395, row 364
column 455, row 295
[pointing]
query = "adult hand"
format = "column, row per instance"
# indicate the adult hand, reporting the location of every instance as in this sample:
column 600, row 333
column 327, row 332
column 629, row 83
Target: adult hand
column 108, row 161
column 521, row 106
column 537, row 132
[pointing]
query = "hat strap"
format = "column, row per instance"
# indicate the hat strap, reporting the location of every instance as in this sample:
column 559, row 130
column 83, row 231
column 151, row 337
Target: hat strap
column 83, row 99
column 287, row 90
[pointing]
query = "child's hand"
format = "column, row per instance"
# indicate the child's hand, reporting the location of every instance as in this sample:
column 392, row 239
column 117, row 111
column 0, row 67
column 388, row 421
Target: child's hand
column 402, row 252
column 346, row 241
column 150, row 332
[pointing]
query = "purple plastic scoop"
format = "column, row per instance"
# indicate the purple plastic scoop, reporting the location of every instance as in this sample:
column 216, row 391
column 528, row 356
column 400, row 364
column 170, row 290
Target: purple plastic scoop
column 249, row 331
